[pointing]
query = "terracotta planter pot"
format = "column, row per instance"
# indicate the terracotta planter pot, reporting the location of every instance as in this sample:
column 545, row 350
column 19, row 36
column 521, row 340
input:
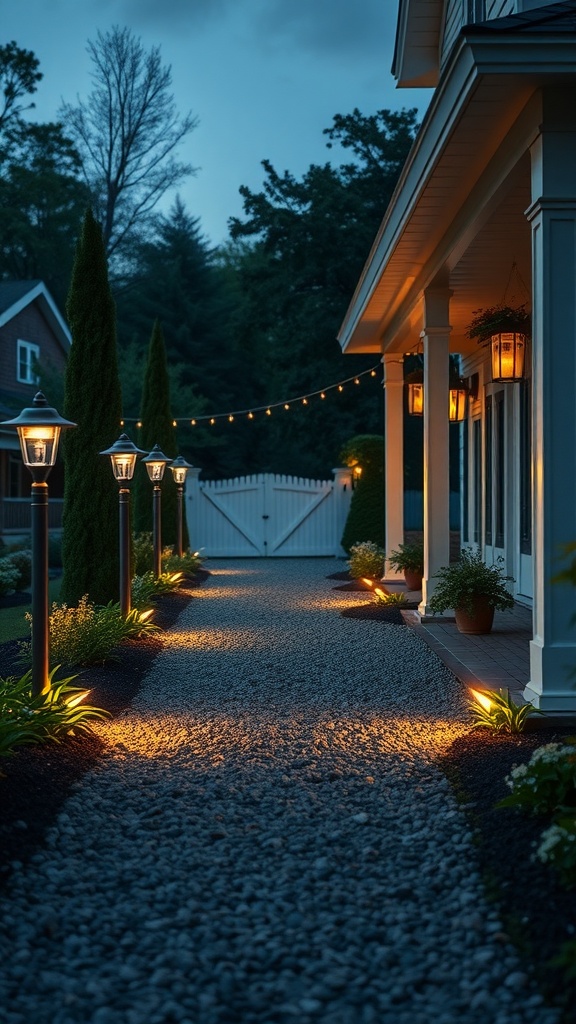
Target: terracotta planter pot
column 413, row 579
column 479, row 620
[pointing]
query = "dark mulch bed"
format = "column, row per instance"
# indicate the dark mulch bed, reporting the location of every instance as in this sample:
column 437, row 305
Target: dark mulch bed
column 376, row 613
column 354, row 585
column 37, row 780
column 344, row 575
column 538, row 914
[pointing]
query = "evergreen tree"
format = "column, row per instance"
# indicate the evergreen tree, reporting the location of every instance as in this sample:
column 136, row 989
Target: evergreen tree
column 157, row 428
column 366, row 516
column 92, row 399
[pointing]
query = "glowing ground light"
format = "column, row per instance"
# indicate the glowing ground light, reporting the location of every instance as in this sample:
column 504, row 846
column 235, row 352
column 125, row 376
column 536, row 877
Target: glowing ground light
column 482, row 699
column 367, row 582
column 380, row 593
column 76, row 698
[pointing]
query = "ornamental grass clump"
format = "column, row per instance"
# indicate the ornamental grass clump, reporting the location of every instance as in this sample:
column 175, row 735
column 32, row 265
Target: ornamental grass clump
column 384, row 600
column 147, row 587
column 50, row 716
column 495, row 709
column 87, row 634
column 367, row 559
column 188, row 563
column 547, row 786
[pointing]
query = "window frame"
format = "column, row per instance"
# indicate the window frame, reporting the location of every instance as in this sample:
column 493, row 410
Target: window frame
column 32, row 352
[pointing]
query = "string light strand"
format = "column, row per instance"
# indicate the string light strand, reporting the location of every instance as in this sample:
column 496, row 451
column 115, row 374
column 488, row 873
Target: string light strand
column 285, row 403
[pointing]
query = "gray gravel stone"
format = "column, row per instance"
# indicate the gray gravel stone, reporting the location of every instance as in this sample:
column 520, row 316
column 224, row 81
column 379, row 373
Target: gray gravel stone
column 268, row 838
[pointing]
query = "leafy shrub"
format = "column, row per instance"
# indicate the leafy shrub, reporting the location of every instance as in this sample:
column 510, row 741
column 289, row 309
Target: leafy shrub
column 9, row 576
column 25, row 719
column 188, row 563
column 146, row 588
column 547, row 786
column 142, row 553
column 367, row 559
column 87, row 634
column 22, row 560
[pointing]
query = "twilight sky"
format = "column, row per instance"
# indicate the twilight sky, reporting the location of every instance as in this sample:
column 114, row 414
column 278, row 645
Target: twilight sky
column 264, row 77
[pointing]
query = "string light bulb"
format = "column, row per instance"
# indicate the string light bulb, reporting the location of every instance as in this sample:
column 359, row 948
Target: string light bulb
column 340, row 387
column 322, row 394
column 139, row 424
column 268, row 412
column 304, row 401
column 230, row 418
column 286, row 406
column 192, row 423
column 356, row 381
column 212, row 421
column 250, row 415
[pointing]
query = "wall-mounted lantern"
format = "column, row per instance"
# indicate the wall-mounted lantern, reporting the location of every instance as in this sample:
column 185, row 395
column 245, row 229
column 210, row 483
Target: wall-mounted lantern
column 508, row 352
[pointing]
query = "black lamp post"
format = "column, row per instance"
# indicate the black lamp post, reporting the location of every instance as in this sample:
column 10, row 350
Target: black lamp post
column 179, row 469
column 123, row 454
column 156, row 463
column 39, row 432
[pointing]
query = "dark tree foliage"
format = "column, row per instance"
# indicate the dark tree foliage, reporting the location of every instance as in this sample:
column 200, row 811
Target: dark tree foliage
column 157, row 428
column 19, row 77
column 176, row 280
column 366, row 516
column 309, row 241
column 41, row 206
column 92, row 400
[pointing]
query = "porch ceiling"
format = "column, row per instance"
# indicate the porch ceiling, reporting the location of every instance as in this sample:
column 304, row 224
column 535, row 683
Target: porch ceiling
column 458, row 213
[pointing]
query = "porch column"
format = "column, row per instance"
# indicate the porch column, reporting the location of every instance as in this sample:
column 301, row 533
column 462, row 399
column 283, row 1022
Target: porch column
column 436, row 339
column 552, row 216
column 393, row 459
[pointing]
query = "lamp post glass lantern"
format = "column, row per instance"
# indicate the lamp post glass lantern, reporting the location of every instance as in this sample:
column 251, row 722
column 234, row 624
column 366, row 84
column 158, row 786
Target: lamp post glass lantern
column 156, row 463
column 179, row 469
column 123, row 454
column 39, row 429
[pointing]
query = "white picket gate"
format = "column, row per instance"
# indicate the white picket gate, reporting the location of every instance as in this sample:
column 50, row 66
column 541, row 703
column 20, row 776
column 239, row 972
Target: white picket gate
column 267, row 515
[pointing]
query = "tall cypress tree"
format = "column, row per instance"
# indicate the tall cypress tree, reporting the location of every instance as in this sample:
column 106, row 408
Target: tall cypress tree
column 157, row 428
column 92, row 399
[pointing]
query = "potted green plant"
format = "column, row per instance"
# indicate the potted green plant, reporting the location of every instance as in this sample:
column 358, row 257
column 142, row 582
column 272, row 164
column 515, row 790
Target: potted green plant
column 498, row 320
column 409, row 559
column 474, row 590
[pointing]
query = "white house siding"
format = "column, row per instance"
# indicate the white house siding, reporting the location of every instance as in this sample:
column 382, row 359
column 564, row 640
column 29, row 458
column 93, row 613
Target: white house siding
column 501, row 8
column 453, row 22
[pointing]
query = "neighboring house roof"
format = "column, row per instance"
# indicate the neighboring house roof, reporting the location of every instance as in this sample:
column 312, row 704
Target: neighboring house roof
column 16, row 295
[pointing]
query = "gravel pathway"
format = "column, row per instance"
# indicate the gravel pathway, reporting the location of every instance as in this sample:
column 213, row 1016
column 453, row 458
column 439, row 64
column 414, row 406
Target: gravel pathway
column 268, row 839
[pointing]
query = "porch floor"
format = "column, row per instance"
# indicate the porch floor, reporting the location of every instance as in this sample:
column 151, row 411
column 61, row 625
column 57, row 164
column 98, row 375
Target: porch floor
column 500, row 659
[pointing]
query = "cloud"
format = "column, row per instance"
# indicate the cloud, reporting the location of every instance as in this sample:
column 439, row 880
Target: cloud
column 320, row 26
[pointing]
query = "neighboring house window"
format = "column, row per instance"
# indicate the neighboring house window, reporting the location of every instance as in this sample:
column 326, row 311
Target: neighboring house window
column 26, row 359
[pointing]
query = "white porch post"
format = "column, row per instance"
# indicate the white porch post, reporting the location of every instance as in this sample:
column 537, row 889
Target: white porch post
column 393, row 459
column 553, row 219
column 436, row 338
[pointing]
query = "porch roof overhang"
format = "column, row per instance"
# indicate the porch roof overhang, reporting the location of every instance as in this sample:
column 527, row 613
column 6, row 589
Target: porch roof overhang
column 482, row 118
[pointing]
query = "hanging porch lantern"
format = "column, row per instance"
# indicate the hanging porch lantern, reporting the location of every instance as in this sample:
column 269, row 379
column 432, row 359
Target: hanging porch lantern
column 457, row 400
column 415, row 389
column 507, row 355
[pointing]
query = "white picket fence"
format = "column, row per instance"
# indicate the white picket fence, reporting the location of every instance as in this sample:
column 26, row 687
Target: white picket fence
column 267, row 515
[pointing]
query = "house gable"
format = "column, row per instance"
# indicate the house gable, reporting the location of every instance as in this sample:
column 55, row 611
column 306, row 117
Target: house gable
column 427, row 31
column 30, row 326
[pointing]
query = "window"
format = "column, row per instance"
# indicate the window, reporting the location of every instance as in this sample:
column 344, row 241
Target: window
column 26, row 358
column 499, row 455
column 477, row 455
column 526, row 467
column 488, row 470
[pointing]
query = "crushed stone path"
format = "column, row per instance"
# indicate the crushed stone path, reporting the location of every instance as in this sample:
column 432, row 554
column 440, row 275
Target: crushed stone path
column 268, row 839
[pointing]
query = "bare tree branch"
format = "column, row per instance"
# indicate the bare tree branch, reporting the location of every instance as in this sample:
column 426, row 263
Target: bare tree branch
column 126, row 133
